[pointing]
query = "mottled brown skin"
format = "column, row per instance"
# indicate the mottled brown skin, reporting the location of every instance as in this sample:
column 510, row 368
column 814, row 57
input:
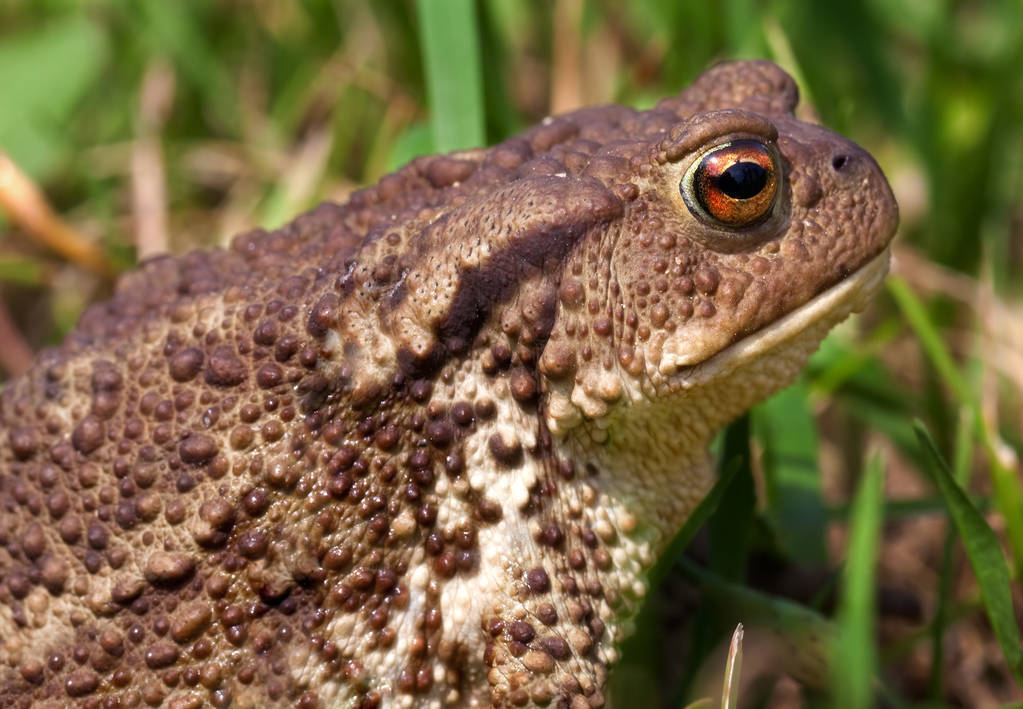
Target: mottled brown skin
column 418, row 449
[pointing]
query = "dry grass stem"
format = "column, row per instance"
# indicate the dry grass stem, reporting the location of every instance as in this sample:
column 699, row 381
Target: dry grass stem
column 148, row 181
column 1002, row 322
column 305, row 171
column 733, row 671
column 566, row 74
column 24, row 203
column 15, row 354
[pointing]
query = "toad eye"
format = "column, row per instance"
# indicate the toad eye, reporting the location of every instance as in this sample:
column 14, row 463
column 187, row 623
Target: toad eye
column 733, row 185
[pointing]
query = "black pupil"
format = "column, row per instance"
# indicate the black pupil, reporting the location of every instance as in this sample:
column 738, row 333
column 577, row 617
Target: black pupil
column 742, row 180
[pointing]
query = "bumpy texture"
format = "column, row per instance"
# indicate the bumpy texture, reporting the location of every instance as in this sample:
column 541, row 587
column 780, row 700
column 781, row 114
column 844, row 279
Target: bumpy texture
column 418, row 449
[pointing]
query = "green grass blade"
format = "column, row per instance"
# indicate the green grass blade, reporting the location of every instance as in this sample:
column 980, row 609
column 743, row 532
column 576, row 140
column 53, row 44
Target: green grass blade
column 22, row 271
column 963, row 455
column 632, row 678
column 855, row 659
column 636, row 680
column 802, row 635
column 788, row 435
column 705, row 703
column 177, row 30
column 1008, row 490
column 729, row 531
column 451, row 58
column 708, row 505
column 930, row 339
column 742, row 28
column 781, row 52
column 731, row 525
column 44, row 73
column 984, row 553
column 414, row 141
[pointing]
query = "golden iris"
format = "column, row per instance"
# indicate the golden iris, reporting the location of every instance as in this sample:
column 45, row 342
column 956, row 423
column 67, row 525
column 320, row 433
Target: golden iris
column 733, row 185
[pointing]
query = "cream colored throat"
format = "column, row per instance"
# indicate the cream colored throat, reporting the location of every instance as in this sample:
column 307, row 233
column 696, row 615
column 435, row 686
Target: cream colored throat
column 852, row 294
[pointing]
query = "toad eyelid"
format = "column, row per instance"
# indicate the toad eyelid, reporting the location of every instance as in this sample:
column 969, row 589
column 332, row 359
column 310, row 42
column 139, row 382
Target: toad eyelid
column 725, row 141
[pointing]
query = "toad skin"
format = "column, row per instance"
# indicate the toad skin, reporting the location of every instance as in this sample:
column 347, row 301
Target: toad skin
column 422, row 448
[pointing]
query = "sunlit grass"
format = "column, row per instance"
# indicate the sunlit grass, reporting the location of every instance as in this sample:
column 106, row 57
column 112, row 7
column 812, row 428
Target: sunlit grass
column 276, row 107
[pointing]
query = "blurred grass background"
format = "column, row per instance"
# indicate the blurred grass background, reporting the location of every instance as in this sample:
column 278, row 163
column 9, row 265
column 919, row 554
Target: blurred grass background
column 161, row 126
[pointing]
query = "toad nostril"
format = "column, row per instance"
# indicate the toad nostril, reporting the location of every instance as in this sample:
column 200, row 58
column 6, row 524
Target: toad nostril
column 840, row 161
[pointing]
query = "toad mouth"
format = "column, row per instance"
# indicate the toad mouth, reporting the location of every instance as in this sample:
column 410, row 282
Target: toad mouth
column 852, row 294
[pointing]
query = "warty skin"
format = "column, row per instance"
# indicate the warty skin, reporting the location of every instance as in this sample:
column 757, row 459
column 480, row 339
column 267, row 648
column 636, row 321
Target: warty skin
column 421, row 448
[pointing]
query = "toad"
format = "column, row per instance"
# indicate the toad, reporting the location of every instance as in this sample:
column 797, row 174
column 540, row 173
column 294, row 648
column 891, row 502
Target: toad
column 423, row 447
